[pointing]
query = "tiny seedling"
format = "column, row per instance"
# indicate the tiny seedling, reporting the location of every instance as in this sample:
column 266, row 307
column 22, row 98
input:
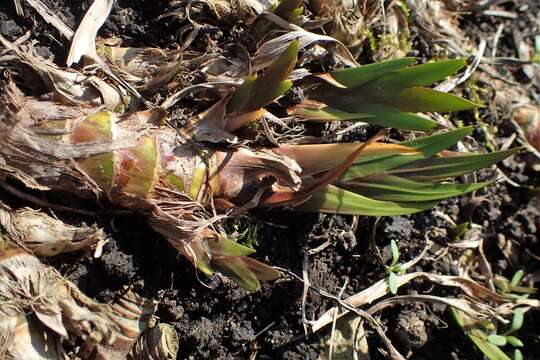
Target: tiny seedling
column 394, row 269
column 512, row 287
column 459, row 230
column 490, row 344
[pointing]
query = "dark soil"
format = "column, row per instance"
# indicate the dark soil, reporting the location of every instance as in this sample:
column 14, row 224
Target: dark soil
column 217, row 320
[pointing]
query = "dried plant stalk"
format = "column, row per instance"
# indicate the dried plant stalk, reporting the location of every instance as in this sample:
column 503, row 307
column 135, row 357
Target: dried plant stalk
column 43, row 235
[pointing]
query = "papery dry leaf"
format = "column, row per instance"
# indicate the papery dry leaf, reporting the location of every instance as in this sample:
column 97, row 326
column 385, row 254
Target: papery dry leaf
column 27, row 286
column 270, row 49
column 50, row 17
column 68, row 85
column 380, row 289
column 132, row 315
column 18, row 7
column 84, row 40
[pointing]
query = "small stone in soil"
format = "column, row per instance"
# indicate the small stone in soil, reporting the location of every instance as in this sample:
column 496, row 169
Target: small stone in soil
column 397, row 228
column 411, row 330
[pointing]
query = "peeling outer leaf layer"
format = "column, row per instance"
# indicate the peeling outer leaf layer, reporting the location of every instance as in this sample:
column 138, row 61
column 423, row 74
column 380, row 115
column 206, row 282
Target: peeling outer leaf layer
column 59, row 309
column 138, row 166
column 61, row 306
column 24, row 338
column 387, row 94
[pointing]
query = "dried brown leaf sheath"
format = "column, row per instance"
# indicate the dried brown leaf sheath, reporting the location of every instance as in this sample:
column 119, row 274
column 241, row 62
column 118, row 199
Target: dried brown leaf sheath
column 43, row 235
column 30, row 290
column 24, row 338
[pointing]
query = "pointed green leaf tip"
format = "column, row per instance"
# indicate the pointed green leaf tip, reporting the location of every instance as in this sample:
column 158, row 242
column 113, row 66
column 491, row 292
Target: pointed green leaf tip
column 230, row 258
column 434, row 144
column 387, row 94
column 396, row 74
column 245, row 271
column 226, row 247
column 393, row 188
column 419, row 75
column 417, row 99
column 399, row 183
column 363, row 74
column 257, row 92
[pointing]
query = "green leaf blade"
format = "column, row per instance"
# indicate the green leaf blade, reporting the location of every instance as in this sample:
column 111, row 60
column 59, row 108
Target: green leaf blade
column 393, row 283
column 417, row 99
column 497, row 340
column 434, row 144
column 445, row 167
column 393, row 188
column 233, row 267
column 334, row 200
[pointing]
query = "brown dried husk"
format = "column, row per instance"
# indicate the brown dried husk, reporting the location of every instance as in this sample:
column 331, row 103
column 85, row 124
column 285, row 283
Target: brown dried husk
column 28, row 287
column 68, row 85
column 44, row 235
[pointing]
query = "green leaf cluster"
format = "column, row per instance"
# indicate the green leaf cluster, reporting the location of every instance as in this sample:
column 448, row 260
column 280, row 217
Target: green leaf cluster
column 388, row 94
column 391, row 182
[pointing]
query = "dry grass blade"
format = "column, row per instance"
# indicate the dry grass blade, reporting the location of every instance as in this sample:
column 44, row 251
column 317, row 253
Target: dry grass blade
column 380, row 289
column 84, row 40
column 272, row 48
column 18, row 7
column 50, row 17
